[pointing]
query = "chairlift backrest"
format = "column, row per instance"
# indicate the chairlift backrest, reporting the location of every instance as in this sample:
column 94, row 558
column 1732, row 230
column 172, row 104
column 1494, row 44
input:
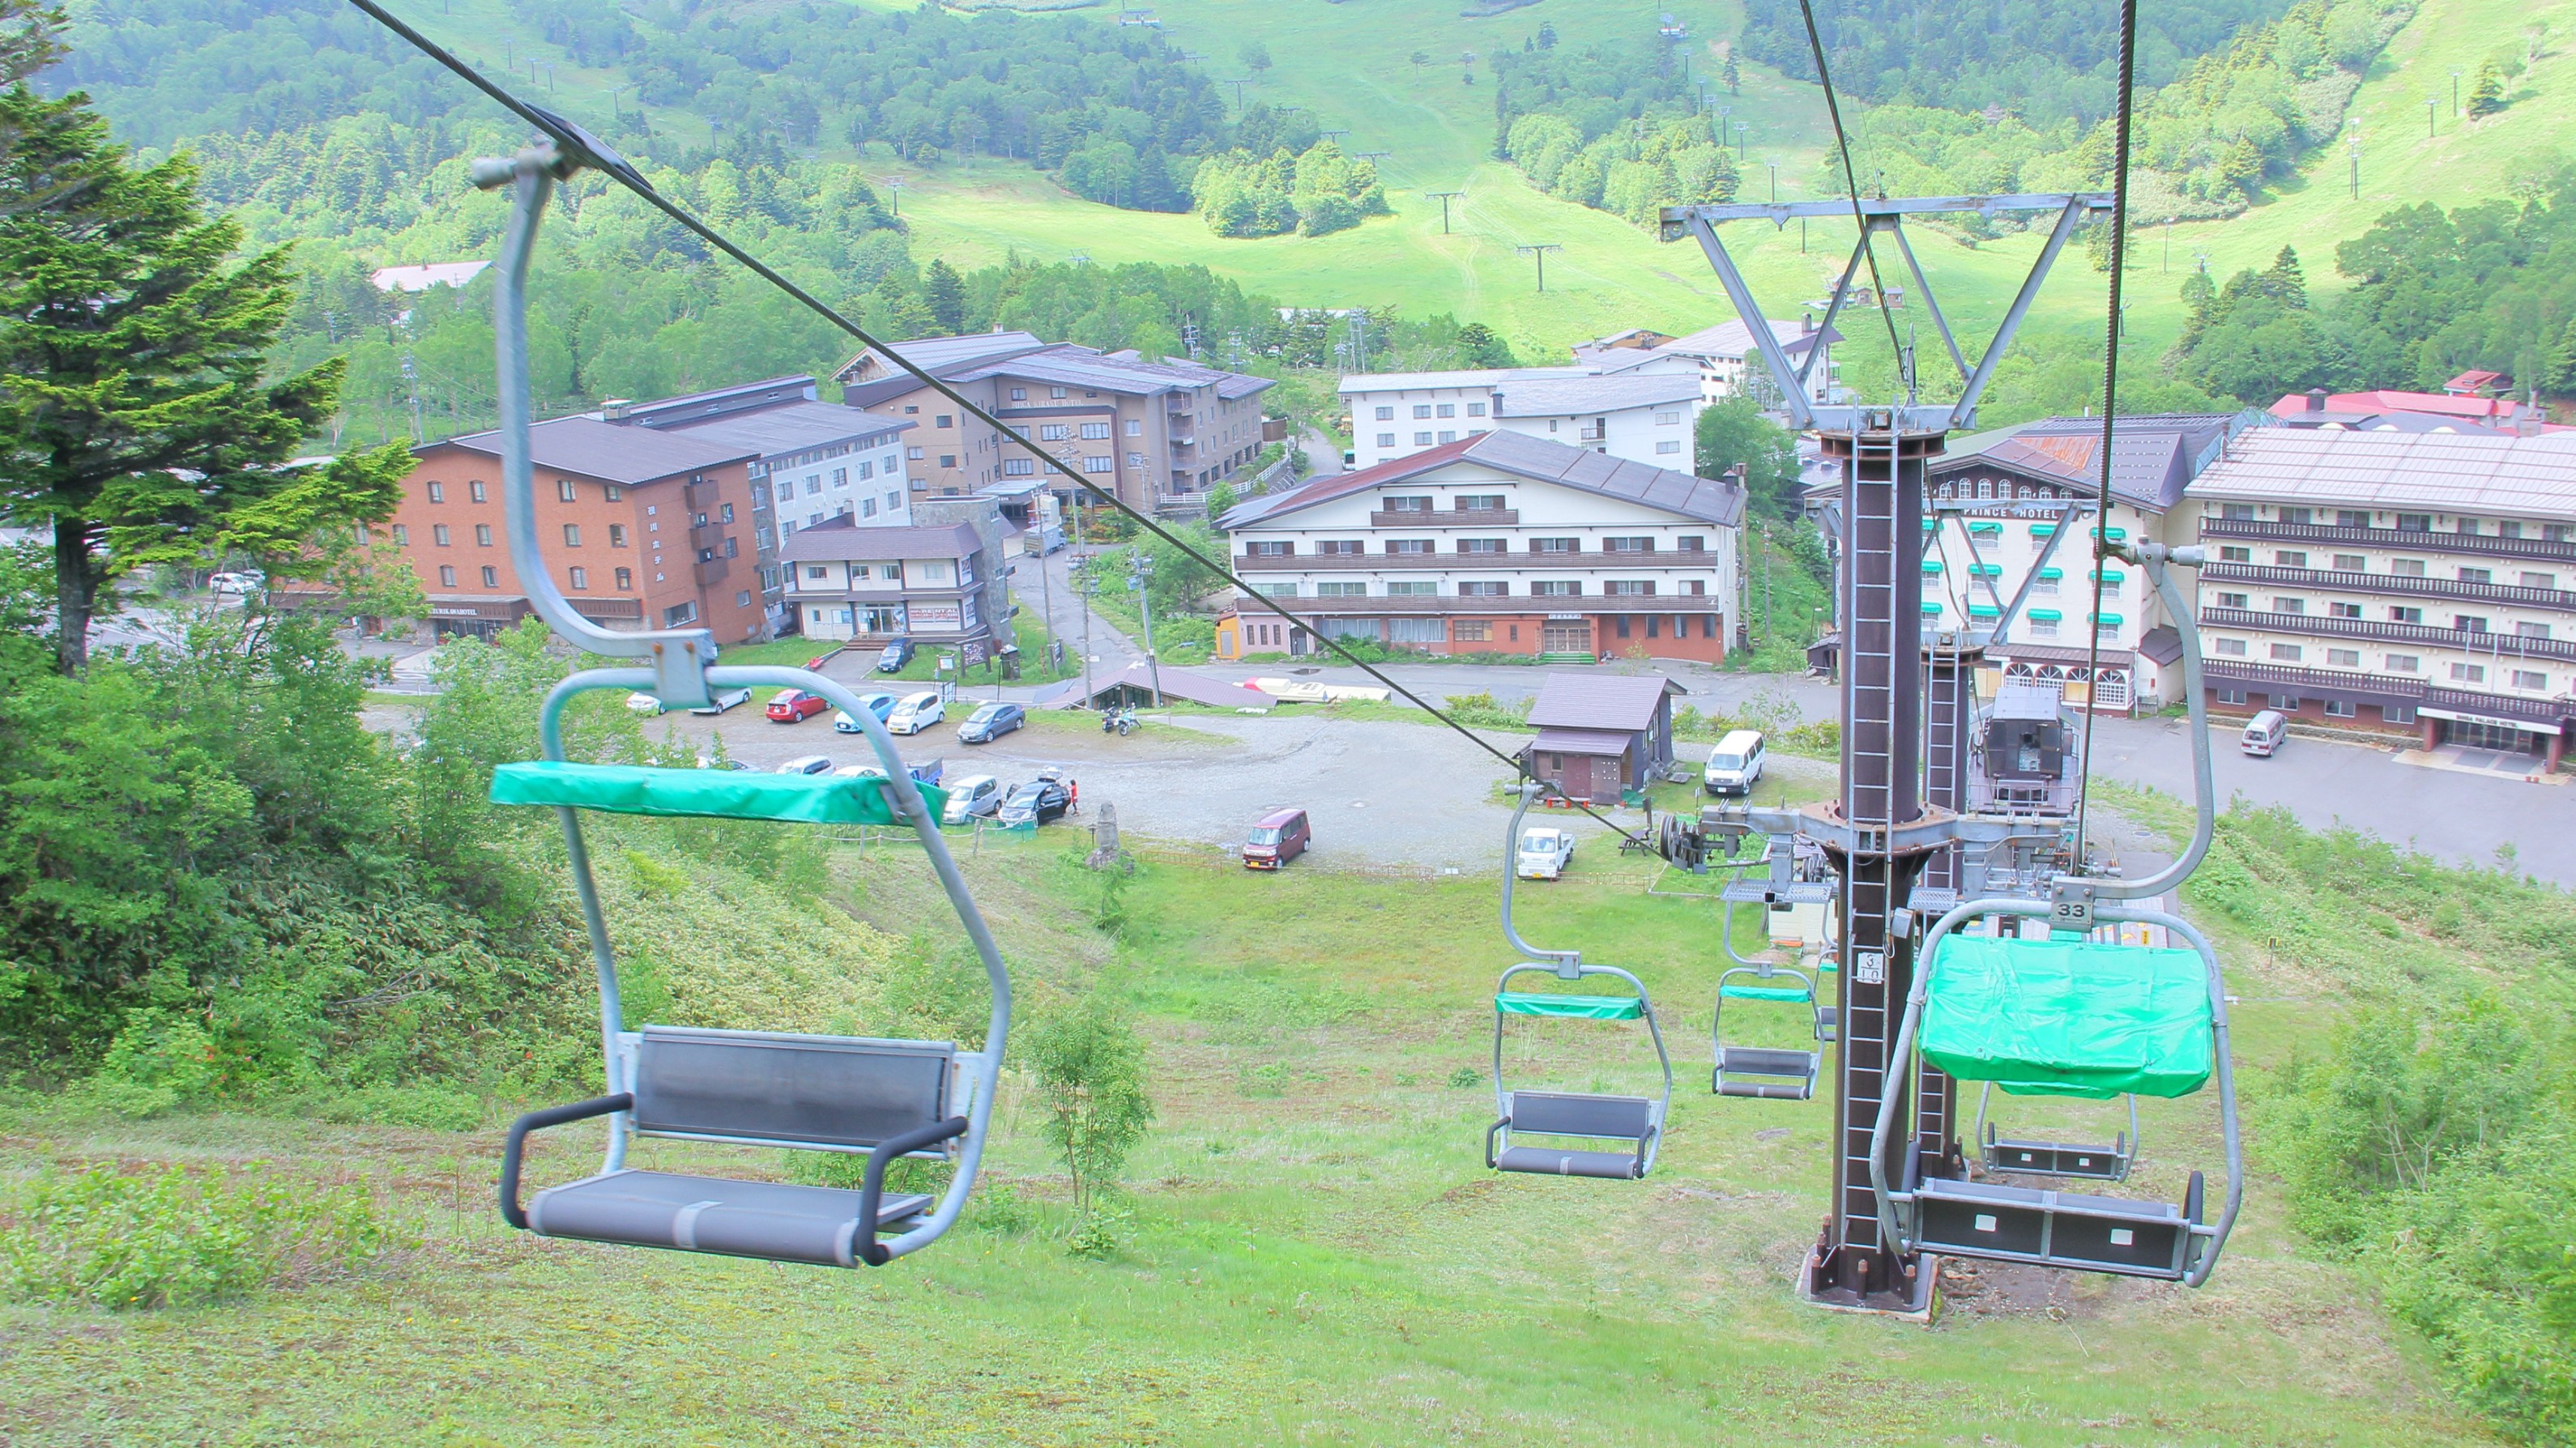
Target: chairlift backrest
column 1555, row 1113
column 808, row 1091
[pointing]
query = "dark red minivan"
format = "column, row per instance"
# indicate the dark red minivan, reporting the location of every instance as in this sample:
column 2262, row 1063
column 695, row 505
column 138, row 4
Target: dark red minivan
column 1277, row 837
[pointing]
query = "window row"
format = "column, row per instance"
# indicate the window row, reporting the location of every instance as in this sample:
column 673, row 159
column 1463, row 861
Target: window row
column 1429, row 409
column 1424, row 547
column 1487, row 588
column 2291, row 607
column 2398, row 522
column 2397, row 567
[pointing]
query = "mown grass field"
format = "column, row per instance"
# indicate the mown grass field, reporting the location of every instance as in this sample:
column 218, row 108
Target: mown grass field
column 1317, row 1253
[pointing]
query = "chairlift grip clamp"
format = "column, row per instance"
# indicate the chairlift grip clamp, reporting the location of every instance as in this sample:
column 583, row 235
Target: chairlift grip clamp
column 2070, row 901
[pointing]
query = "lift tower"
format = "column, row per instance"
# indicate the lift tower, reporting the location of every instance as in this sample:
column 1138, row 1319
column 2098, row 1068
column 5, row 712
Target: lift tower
column 1880, row 832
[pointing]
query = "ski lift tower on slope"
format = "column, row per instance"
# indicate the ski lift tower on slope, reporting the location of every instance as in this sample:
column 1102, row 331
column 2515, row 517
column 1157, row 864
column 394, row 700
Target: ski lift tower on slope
column 1881, row 831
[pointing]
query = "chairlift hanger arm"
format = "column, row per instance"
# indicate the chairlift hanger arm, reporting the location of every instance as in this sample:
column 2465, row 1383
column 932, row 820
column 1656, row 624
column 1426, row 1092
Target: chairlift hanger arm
column 1676, row 218
column 2157, row 559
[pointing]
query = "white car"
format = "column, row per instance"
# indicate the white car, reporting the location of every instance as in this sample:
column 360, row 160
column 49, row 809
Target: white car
column 916, row 713
column 976, row 794
column 246, row 582
column 718, row 702
column 645, row 704
column 807, row 764
column 1544, row 853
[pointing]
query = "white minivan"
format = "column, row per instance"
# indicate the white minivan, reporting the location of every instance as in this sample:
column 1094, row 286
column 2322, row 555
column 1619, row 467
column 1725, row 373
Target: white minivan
column 2264, row 733
column 1735, row 765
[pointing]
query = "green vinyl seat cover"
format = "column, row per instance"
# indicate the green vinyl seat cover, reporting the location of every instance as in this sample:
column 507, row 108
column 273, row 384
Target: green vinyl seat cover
column 1765, row 993
column 2069, row 1017
column 1569, row 1007
column 730, row 794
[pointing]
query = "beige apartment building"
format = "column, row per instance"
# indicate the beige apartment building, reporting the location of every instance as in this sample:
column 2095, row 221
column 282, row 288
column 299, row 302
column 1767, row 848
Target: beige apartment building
column 1149, row 432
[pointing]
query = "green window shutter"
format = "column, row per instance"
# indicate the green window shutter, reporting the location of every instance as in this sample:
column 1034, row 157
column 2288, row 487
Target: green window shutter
column 2046, row 615
column 2108, row 620
column 1987, row 570
column 2052, row 573
column 1983, row 610
column 1931, row 610
column 1932, row 565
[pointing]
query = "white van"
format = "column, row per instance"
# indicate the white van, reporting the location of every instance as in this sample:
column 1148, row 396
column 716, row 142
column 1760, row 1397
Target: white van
column 2264, row 733
column 1735, row 765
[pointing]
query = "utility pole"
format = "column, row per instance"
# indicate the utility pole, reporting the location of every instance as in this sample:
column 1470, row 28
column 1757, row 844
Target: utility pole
column 1140, row 572
column 1238, row 96
column 895, row 185
column 2430, row 102
column 411, row 384
column 1743, row 129
column 1444, row 198
column 1359, row 339
column 1540, row 250
column 2455, row 93
column 1087, row 586
column 2354, row 147
column 1774, row 168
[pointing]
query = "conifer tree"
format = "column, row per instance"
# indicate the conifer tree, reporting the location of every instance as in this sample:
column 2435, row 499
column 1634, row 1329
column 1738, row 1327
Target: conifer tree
column 945, row 293
column 2486, row 95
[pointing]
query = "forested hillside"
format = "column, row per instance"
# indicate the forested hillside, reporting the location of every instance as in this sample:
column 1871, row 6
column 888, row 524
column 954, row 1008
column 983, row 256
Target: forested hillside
column 1612, row 124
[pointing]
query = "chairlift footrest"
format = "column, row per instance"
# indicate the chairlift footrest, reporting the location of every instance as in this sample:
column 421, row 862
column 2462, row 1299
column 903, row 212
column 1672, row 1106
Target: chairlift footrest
column 2058, row 1159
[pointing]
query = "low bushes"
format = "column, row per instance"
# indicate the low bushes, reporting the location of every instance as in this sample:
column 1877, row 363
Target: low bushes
column 168, row 1237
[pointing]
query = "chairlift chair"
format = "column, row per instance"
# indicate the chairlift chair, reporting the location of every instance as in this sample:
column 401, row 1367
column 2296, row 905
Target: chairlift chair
column 2071, row 1015
column 1563, row 1118
column 1766, row 1073
column 2056, row 1158
column 885, row 1099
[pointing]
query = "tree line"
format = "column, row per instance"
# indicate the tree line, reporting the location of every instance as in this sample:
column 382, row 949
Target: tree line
column 1612, row 124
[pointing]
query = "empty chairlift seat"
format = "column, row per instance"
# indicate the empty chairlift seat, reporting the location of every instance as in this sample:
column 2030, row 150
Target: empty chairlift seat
column 2067, row 1017
column 821, row 1093
column 1567, row 1118
column 1766, row 1072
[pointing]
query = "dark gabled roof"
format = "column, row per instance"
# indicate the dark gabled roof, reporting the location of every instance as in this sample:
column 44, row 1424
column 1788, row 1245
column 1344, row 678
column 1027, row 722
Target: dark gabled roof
column 613, row 453
column 1583, row 741
column 1624, row 703
column 841, row 539
column 791, row 427
column 1521, row 455
column 2153, row 456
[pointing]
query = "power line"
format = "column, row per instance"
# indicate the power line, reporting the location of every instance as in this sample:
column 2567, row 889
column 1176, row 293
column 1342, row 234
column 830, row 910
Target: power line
column 578, row 147
column 1851, row 182
column 2110, row 404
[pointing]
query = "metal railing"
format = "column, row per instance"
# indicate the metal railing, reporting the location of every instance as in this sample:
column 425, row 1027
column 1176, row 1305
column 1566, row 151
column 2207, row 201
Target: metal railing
column 1454, row 518
column 2401, row 540
column 2390, row 583
column 2311, row 683
column 2498, row 646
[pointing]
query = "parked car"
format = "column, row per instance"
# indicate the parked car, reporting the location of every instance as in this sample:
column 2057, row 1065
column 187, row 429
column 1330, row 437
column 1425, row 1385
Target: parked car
column 1036, row 803
column 1277, row 837
column 245, row 582
column 807, row 764
column 896, row 654
column 709, row 761
column 878, row 704
column 929, row 773
column 976, row 794
column 1735, row 765
column 990, row 722
column 2265, row 733
column 1544, row 853
column 792, row 706
column 718, row 702
column 916, row 713
column 648, row 705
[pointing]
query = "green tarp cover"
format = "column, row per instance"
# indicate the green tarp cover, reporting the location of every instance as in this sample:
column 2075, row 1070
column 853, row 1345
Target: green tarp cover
column 2069, row 1017
column 1763, row 993
column 1576, row 1007
column 730, row 794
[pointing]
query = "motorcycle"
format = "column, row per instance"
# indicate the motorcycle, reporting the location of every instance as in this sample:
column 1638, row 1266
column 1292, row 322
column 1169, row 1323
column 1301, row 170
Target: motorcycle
column 1119, row 721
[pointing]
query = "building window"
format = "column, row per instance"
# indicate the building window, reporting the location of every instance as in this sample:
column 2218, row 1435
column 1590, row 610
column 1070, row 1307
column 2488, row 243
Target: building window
column 2299, row 516
column 1386, row 414
column 678, row 614
column 1407, row 504
column 438, row 534
column 2397, row 713
column 840, row 477
column 1557, row 588
column 2406, row 567
column 1270, row 550
column 1339, row 547
column 2344, row 610
column 2352, row 518
column 2288, row 703
column 2468, row 673
column 1408, row 547
column 482, row 535
column 2351, row 563
column 580, row 579
column 1669, row 445
column 2398, row 613
column 437, row 492
column 2286, row 653
column 402, row 536
column 1471, row 630
column 626, row 580
column 2231, row 696
column 1692, row 543
column 446, row 575
column 475, row 490
column 2531, row 630
column 2344, row 658
column 1556, row 545
column 742, row 599
column 2540, row 580
column 2468, row 526
column 1135, row 460
column 1018, row 394
column 2232, row 648
column 491, row 576
column 1448, row 409
column 1276, row 590
column 2468, row 623
column 1101, row 464
column 2414, row 522
column 2401, row 663
column 2531, row 679
column 2340, row 709
column 1095, row 430
column 1386, row 439
column 2235, row 555
column 1695, row 587
column 1411, row 589
column 1422, row 439
column 1341, row 590
column 1422, row 409
column 1448, row 435
column 2236, row 512
column 1628, row 588
column 613, row 493
column 1054, row 431
column 2289, row 558
column 947, row 460
column 1627, row 545
column 1481, row 502
column 2233, row 600
column 2477, row 575
column 914, row 453
column 1055, row 394
column 1475, row 409
column 1483, row 590
column 616, row 535
column 563, row 489
column 572, row 535
column 1018, row 467
column 1623, row 625
column 2289, row 605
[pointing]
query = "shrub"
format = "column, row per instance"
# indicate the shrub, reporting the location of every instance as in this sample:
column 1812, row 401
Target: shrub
column 163, row 1237
column 1090, row 1071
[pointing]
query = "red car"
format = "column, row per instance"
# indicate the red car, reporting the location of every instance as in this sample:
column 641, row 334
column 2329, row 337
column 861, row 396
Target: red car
column 791, row 705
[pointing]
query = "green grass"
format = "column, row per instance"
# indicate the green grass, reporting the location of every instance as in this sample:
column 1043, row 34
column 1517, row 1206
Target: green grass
column 1318, row 1253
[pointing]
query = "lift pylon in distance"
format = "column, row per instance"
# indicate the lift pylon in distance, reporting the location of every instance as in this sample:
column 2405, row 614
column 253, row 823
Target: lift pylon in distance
column 1880, row 832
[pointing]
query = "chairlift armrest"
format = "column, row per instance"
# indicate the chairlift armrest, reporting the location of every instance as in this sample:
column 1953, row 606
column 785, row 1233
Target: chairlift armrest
column 1643, row 1143
column 538, row 1121
column 1491, row 1133
column 872, row 1185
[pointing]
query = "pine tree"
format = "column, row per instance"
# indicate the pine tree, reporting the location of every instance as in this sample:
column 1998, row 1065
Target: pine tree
column 137, row 423
column 945, row 292
column 1733, row 77
column 2486, row 95
column 2286, row 280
